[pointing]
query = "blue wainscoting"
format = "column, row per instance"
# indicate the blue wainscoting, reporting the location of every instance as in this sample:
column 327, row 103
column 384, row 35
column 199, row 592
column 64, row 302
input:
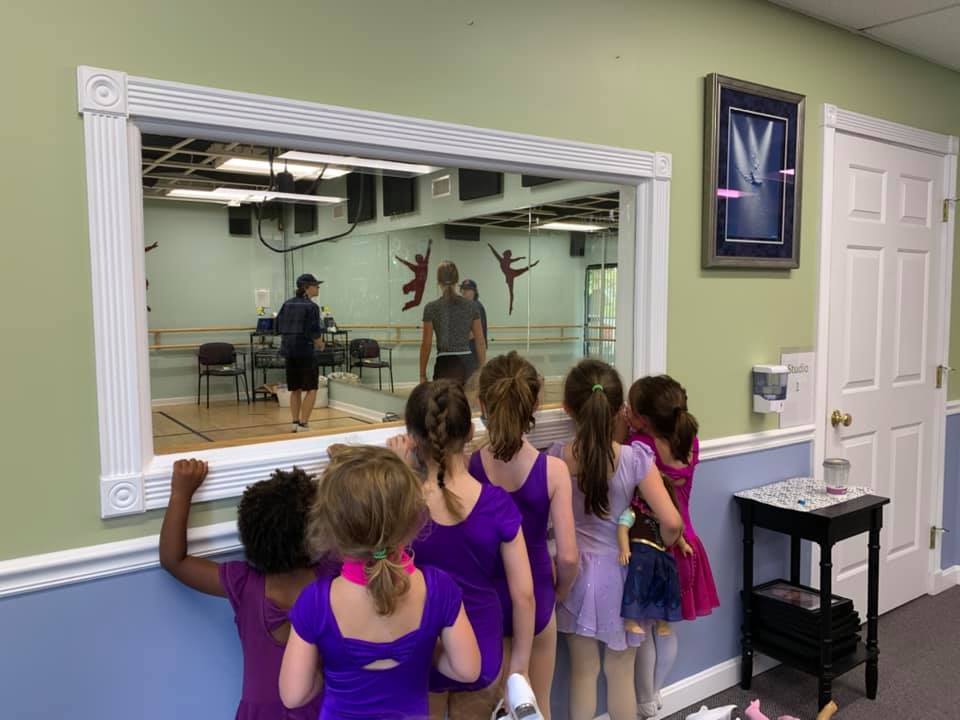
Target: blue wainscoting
column 142, row 646
column 950, row 554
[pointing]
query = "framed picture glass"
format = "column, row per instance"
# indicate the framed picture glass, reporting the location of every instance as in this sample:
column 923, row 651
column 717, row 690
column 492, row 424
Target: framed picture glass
column 753, row 152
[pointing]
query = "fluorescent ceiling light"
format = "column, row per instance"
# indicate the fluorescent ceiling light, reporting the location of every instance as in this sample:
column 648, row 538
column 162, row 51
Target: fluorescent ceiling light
column 572, row 226
column 358, row 162
column 262, row 167
column 237, row 195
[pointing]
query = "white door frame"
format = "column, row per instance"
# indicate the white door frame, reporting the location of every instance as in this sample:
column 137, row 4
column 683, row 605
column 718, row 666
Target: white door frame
column 836, row 120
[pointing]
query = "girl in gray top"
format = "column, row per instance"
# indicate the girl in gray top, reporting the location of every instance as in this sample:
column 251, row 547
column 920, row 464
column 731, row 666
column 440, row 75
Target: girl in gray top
column 453, row 318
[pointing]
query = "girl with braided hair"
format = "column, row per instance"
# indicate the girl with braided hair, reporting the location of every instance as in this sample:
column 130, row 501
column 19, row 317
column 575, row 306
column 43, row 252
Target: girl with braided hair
column 474, row 534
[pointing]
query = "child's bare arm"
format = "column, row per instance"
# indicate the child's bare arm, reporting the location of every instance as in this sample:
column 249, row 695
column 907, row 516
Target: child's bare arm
column 623, row 542
column 300, row 677
column 195, row 572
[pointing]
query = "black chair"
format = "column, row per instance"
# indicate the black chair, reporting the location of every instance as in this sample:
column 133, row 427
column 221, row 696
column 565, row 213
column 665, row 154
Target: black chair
column 365, row 353
column 219, row 359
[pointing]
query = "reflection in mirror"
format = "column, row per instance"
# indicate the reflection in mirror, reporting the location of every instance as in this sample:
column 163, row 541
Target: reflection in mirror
column 273, row 269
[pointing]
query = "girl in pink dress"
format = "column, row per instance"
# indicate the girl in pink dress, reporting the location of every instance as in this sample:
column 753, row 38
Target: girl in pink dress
column 272, row 519
column 657, row 414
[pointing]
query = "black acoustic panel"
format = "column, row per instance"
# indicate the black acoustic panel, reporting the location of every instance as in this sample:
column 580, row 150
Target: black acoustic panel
column 475, row 184
column 578, row 244
column 399, row 195
column 304, row 218
column 534, row 180
column 469, row 233
column 238, row 220
column 361, row 197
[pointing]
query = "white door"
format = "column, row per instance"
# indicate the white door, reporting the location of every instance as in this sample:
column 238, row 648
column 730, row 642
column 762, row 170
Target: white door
column 882, row 352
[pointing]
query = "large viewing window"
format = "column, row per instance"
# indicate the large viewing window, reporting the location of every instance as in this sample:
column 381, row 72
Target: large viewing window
column 537, row 254
column 234, row 196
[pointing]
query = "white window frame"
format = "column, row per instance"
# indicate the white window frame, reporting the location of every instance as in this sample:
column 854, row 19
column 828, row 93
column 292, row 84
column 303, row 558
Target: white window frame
column 116, row 107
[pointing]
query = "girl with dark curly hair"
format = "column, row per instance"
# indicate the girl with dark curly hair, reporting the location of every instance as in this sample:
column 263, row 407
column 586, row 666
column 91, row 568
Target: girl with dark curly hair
column 272, row 520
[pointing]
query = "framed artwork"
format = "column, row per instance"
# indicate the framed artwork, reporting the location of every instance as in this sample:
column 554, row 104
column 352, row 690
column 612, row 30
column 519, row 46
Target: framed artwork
column 753, row 158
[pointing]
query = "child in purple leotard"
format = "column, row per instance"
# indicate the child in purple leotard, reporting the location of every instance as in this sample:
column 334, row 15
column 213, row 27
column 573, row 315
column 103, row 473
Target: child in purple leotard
column 473, row 534
column 372, row 632
column 605, row 475
column 540, row 486
column 272, row 518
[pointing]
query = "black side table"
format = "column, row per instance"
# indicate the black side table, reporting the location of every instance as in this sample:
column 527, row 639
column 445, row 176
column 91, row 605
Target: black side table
column 826, row 527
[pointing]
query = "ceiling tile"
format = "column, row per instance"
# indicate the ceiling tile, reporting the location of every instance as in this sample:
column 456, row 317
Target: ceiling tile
column 859, row 14
column 935, row 36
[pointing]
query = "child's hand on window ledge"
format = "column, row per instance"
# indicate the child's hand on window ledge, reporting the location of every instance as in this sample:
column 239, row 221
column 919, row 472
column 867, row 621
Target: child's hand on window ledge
column 188, row 475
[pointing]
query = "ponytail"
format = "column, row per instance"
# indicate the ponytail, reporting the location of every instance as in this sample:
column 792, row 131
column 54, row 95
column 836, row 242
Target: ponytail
column 439, row 418
column 663, row 401
column 301, row 291
column 447, row 278
column 593, row 394
column 387, row 581
column 509, row 389
column 370, row 505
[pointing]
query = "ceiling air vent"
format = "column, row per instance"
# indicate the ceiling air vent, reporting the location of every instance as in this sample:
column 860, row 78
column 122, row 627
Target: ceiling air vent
column 441, row 187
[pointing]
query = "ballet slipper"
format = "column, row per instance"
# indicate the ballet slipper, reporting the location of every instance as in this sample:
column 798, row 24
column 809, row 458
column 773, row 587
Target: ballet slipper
column 720, row 713
column 753, row 712
column 827, row 711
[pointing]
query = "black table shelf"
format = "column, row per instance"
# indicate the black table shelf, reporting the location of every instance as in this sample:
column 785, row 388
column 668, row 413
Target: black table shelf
column 826, row 527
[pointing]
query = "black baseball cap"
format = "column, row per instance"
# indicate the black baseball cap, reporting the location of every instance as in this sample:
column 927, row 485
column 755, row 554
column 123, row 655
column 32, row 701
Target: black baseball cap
column 468, row 285
column 307, row 279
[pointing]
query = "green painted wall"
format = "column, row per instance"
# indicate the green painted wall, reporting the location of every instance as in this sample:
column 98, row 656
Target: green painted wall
column 619, row 72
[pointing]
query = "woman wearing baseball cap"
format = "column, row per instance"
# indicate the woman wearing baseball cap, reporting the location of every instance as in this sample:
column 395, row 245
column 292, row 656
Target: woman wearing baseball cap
column 469, row 290
column 298, row 324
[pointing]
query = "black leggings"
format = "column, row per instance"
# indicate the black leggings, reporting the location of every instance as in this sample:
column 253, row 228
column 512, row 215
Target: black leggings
column 451, row 367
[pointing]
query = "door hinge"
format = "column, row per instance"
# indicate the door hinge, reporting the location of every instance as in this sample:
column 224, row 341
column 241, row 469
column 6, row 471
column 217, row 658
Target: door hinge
column 933, row 535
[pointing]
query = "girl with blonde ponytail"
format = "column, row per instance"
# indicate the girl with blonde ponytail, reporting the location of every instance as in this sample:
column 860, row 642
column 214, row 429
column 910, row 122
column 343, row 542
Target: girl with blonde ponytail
column 540, row 487
column 367, row 638
column 474, row 534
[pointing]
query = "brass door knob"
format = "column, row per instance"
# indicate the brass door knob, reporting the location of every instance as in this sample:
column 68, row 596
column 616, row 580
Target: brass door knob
column 841, row 418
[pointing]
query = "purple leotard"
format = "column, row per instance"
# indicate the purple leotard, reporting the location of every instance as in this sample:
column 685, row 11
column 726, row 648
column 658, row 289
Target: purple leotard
column 351, row 692
column 533, row 501
column 470, row 553
column 256, row 617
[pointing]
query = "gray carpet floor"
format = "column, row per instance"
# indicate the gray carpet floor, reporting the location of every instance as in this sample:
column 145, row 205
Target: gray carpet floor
column 919, row 672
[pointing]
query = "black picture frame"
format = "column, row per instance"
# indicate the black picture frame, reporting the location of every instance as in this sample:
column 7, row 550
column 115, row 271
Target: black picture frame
column 753, row 166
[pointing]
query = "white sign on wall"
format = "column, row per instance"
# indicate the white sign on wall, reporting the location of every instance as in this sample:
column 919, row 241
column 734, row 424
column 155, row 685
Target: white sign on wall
column 798, row 407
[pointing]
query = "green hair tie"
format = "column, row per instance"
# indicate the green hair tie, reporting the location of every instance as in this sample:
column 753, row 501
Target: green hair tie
column 380, row 554
column 598, row 387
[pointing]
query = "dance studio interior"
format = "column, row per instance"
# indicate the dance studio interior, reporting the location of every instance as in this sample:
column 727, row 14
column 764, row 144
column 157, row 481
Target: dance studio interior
column 540, row 360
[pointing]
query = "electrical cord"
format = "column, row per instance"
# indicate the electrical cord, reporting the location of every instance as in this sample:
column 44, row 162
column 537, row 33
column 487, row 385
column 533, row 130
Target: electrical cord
column 282, row 251
column 313, row 188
